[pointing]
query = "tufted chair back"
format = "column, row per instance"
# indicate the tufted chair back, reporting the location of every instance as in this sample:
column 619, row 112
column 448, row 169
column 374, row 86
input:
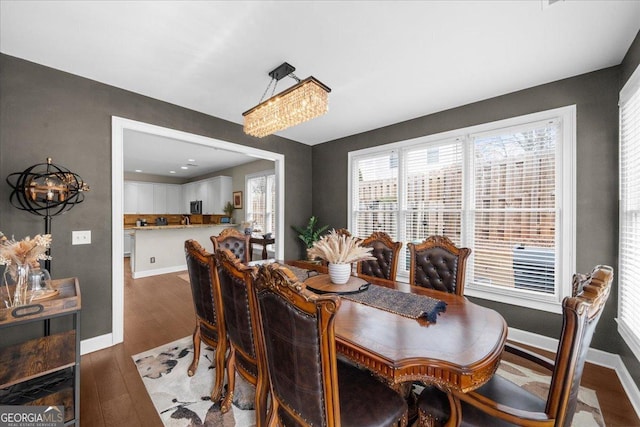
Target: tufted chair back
column 207, row 302
column 438, row 264
column 386, row 253
column 309, row 386
column 243, row 357
column 235, row 241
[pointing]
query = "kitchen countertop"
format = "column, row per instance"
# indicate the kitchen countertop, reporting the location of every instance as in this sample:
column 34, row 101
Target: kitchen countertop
column 177, row 226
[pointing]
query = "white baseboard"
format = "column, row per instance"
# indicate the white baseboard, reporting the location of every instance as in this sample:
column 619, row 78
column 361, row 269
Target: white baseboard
column 166, row 270
column 96, row 343
column 595, row 356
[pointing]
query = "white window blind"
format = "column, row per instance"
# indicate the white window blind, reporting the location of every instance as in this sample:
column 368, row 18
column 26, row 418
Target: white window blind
column 629, row 268
column 514, row 215
column 433, row 196
column 375, row 194
column 502, row 189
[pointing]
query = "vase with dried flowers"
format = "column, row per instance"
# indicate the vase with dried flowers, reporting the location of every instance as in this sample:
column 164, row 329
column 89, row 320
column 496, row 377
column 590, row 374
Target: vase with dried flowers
column 23, row 279
column 340, row 251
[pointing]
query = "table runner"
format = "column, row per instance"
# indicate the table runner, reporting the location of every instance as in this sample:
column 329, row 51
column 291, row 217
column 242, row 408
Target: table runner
column 405, row 304
column 402, row 303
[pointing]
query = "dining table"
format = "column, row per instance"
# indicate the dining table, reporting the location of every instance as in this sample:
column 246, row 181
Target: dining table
column 460, row 351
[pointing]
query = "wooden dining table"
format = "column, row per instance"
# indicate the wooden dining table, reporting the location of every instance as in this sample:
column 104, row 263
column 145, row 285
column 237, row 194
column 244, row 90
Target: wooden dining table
column 460, row 351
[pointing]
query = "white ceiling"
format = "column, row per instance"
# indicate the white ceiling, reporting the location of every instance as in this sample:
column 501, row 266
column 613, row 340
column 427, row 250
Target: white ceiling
column 177, row 159
column 385, row 61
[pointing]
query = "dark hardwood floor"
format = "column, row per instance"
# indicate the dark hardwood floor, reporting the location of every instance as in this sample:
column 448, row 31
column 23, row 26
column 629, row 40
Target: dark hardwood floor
column 159, row 310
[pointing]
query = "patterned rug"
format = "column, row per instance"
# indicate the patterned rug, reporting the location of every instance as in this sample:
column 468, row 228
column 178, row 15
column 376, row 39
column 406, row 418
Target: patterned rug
column 183, row 401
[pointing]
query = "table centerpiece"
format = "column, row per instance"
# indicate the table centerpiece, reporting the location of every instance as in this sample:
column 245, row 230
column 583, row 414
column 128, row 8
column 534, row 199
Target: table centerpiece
column 340, row 251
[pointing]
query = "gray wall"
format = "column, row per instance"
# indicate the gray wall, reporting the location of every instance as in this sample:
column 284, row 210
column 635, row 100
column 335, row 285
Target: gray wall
column 595, row 95
column 238, row 174
column 44, row 112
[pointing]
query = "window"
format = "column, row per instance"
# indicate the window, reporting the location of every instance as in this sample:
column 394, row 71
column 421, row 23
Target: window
column 629, row 268
column 261, row 201
column 503, row 189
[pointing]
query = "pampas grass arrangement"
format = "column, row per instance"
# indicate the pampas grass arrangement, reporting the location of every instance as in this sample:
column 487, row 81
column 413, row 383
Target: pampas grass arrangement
column 340, row 249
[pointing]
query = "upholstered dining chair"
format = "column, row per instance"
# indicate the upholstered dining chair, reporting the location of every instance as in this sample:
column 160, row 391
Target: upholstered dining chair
column 234, row 240
column 386, row 253
column 244, row 356
column 309, row 386
column 502, row 403
column 207, row 303
column 438, row 264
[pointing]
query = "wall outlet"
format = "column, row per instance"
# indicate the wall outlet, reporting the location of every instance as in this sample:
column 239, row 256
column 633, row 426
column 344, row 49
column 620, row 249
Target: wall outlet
column 152, row 260
column 81, row 237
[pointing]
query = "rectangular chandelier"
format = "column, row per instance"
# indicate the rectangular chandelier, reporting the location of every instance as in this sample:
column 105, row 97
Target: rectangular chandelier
column 308, row 99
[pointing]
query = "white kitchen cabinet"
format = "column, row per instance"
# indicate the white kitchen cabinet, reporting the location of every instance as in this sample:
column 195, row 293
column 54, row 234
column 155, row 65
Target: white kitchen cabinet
column 214, row 192
column 160, row 199
column 130, row 197
column 188, row 194
column 138, row 197
column 128, row 234
column 201, row 194
column 174, row 199
column 145, row 197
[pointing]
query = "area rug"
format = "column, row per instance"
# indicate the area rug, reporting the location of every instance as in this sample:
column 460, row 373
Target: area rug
column 183, row 401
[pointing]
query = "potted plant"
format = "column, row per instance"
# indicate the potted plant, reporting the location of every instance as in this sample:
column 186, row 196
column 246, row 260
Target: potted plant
column 340, row 251
column 310, row 234
column 228, row 210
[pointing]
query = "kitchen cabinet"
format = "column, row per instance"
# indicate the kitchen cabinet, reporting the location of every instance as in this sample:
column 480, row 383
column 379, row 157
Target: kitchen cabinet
column 138, row 197
column 44, row 370
column 130, row 197
column 127, row 242
column 214, row 192
column 174, row 199
column 145, row 197
column 152, row 198
column 160, row 199
column 188, row 194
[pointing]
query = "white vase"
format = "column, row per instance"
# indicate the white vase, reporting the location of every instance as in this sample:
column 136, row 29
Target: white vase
column 339, row 273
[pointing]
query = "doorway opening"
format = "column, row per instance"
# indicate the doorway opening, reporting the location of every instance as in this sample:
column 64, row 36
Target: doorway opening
column 118, row 127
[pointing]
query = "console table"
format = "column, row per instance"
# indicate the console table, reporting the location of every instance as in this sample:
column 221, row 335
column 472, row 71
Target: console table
column 261, row 241
column 44, row 371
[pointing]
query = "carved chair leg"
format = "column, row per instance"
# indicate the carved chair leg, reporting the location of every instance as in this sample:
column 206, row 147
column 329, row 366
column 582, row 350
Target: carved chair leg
column 261, row 400
column 196, row 352
column 231, row 380
column 220, row 350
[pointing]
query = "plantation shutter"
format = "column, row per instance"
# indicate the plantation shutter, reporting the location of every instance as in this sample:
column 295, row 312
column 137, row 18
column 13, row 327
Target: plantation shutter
column 375, row 194
column 513, row 231
column 629, row 268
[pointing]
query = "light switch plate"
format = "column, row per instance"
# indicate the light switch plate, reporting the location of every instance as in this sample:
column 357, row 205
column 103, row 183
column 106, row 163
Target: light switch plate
column 81, row 237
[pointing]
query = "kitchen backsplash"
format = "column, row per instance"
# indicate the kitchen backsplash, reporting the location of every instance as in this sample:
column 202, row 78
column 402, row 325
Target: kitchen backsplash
column 130, row 219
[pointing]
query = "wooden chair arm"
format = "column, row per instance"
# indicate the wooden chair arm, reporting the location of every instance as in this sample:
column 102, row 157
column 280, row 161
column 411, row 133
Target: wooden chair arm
column 507, row 413
column 530, row 356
